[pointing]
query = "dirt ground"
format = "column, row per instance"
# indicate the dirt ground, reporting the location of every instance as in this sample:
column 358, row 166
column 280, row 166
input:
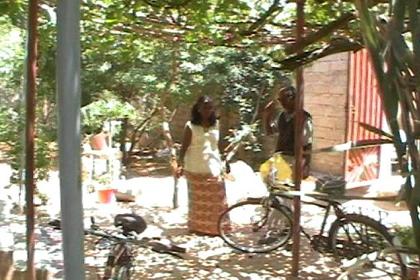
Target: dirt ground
column 206, row 257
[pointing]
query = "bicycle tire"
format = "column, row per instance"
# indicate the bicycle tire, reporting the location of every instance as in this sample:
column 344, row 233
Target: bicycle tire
column 357, row 236
column 121, row 273
column 253, row 227
column 118, row 263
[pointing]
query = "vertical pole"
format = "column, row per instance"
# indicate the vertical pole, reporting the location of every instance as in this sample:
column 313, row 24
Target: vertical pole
column 31, row 69
column 298, row 142
column 69, row 95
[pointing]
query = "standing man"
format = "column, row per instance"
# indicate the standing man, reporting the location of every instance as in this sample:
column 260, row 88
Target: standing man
column 284, row 124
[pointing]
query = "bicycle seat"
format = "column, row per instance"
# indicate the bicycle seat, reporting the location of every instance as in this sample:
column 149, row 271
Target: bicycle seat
column 130, row 222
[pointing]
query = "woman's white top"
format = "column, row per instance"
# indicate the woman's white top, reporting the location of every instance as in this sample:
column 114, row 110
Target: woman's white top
column 202, row 156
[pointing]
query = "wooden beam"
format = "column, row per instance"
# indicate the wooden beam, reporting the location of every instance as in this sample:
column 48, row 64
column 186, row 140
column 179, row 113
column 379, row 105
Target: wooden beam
column 31, row 70
column 298, row 151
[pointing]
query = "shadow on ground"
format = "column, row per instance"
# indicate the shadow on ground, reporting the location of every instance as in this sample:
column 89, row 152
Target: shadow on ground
column 206, row 258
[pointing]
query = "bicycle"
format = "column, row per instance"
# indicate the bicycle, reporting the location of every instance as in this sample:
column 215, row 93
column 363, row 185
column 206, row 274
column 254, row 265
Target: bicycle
column 260, row 225
column 119, row 261
column 371, row 266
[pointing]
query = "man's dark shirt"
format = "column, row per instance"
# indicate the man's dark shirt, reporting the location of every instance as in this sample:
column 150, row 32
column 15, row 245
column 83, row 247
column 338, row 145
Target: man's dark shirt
column 286, row 137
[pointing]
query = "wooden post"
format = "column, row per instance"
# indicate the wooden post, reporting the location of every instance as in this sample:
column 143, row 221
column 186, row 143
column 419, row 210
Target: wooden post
column 298, row 142
column 172, row 161
column 31, row 69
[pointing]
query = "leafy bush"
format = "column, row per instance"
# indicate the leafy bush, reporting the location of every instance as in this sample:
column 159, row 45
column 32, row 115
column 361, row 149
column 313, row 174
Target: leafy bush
column 98, row 112
column 406, row 235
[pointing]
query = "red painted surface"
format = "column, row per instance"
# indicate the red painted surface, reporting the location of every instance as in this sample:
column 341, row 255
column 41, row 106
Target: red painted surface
column 106, row 196
column 365, row 106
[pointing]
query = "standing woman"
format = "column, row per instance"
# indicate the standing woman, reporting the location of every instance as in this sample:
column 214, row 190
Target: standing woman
column 200, row 162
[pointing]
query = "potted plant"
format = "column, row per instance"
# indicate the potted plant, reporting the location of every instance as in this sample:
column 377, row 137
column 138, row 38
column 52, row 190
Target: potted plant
column 106, row 194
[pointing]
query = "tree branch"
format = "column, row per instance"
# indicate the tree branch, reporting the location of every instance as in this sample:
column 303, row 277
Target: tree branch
column 156, row 4
column 321, row 33
column 336, row 46
column 260, row 22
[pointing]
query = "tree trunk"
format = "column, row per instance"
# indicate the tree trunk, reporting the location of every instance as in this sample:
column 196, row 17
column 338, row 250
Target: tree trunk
column 123, row 136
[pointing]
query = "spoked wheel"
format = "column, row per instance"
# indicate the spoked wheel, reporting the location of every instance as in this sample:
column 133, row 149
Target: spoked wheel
column 118, row 264
column 361, row 239
column 117, row 272
column 121, row 273
column 254, row 227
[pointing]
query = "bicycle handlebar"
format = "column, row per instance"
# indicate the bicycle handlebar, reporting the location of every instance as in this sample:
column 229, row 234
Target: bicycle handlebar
column 97, row 231
column 157, row 244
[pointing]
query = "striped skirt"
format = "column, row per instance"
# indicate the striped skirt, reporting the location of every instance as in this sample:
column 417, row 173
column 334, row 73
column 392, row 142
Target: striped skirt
column 206, row 201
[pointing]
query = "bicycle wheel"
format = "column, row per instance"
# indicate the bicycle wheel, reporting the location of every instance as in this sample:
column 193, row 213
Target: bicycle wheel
column 254, row 227
column 121, row 273
column 360, row 238
column 118, row 263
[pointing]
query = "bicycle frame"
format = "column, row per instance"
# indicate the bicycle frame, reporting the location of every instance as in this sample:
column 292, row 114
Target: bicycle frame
column 120, row 253
column 325, row 204
column 121, row 250
column 281, row 190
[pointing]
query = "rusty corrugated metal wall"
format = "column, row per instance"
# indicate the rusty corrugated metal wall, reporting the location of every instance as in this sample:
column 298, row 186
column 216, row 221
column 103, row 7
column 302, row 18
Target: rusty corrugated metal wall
column 365, row 106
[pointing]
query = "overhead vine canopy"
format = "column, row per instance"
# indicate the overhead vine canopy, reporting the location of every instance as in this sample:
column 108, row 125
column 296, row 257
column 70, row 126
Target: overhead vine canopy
column 264, row 25
column 267, row 25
